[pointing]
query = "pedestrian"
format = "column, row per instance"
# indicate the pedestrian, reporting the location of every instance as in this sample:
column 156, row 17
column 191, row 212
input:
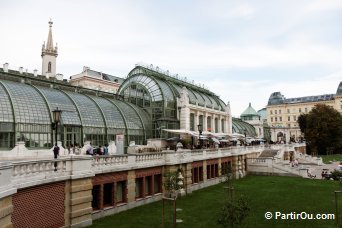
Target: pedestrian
column 105, row 150
column 90, row 150
column 56, row 154
column 56, row 151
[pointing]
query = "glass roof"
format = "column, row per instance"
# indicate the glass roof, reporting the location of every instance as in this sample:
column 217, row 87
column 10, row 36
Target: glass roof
column 90, row 114
column 240, row 126
column 167, row 92
column 58, row 99
column 28, row 104
column 132, row 118
column 6, row 113
column 111, row 113
column 148, row 83
column 167, row 84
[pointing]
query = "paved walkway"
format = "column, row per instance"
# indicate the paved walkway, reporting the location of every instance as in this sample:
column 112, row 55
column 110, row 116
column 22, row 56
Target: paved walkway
column 317, row 170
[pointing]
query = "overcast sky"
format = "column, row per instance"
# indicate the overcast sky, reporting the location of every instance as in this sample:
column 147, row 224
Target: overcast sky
column 242, row 50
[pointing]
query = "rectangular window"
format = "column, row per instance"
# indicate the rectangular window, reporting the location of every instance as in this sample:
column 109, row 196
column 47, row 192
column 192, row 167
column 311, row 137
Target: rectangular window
column 148, row 185
column 300, row 110
column 200, row 173
column 192, row 122
column 209, row 124
column 216, row 125
column 271, row 119
column 120, row 192
column 208, row 172
column 157, row 183
column 288, row 110
column 295, row 118
column 139, row 188
column 108, row 194
column 275, row 112
column 279, row 111
column 280, row 119
column 96, row 197
column 271, row 112
column 275, row 119
column 288, row 118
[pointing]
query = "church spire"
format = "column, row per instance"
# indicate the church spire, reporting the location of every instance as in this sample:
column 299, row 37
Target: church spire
column 49, row 55
column 48, row 48
column 49, row 45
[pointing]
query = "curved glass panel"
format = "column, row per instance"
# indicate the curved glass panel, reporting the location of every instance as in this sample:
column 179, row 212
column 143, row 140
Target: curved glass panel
column 200, row 99
column 110, row 112
column 6, row 113
column 58, row 99
column 28, row 104
column 132, row 118
column 192, row 97
column 222, row 104
column 213, row 101
column 207, row 101
column 90, row 114
column 167, row 92
column 147, row 82
column 239, row 127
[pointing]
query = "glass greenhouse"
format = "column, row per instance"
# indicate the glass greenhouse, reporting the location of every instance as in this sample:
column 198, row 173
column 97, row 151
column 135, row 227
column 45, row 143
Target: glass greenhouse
column 27, row 102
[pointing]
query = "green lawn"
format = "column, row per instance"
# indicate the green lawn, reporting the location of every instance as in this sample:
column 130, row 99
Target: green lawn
column 265, row 194
column 333, row 158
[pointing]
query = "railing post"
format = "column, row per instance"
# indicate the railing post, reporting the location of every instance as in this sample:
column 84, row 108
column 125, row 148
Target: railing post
column 6, row 192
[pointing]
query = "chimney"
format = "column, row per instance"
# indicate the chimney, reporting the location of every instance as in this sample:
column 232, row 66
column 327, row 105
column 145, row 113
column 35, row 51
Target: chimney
column 6, row 67
column 35, row 72
column 59, row 77
column 85, row 68
column 21, row 70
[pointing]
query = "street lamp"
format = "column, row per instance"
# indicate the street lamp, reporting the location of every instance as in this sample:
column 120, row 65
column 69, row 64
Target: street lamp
column 200, row 130
column 56, row 118
column 245, row 136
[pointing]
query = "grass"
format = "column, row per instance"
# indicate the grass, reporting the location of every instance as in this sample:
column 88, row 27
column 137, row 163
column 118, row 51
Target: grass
column 265, row 194
column 333, row 158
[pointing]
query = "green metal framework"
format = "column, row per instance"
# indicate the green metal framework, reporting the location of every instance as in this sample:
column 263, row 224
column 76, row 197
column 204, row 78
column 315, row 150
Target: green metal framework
column 240, row 126
column 157, row 93
column 27, row 102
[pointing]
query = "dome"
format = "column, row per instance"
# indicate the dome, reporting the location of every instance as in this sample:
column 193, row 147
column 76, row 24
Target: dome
column 250, row 111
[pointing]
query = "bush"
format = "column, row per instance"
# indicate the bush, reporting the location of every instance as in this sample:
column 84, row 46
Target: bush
column 234, row 212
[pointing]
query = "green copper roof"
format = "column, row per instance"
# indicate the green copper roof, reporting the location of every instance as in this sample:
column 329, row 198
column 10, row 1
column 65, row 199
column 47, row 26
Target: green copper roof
column 339, row 89
column 250, row 111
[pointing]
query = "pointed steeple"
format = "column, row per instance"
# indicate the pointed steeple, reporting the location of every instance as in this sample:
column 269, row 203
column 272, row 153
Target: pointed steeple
column 49, row 55
column 48, row 47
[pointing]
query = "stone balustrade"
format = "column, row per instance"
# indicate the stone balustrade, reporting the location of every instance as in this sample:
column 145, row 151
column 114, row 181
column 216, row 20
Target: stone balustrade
column 32, row 172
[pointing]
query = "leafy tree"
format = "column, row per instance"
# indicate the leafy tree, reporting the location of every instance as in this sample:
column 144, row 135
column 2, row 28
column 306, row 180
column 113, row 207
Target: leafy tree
column 322, row 128
column 233, row 212
column 171, row 183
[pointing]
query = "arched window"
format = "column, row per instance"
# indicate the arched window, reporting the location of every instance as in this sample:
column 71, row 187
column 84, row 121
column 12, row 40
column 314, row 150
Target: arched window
column 49, row 67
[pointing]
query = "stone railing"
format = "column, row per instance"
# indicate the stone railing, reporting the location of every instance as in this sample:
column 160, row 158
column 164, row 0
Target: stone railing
column 33, row 172
column 29, row 173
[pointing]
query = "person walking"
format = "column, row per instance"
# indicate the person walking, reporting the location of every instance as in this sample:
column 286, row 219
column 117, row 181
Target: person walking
column 56, row 151
column 56, row 154
column 105, row 150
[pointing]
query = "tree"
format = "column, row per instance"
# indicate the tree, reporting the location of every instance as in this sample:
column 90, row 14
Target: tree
column 172, row 183
column 234, row 210
column 322, row 128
